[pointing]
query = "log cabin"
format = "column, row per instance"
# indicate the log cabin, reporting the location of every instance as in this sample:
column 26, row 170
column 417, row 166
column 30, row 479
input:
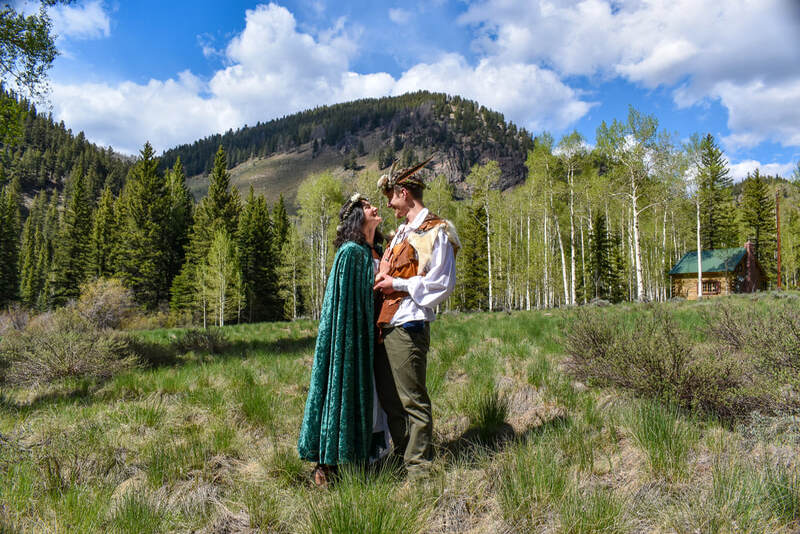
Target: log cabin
column 725, row 271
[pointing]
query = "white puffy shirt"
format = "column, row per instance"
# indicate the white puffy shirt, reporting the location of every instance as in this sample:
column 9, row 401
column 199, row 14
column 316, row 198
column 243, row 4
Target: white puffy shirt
column 428, row 290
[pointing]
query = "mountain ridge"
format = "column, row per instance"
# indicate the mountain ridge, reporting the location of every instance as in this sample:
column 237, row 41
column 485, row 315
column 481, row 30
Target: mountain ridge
column 362, row 135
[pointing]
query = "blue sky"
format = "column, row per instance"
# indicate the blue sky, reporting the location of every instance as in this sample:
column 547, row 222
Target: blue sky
column 172, row 72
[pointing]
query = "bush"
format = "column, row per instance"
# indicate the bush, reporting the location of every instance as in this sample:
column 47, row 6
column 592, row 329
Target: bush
column 769, row 336
column 653, row 357
column 105, row 303
column 211, row 340
column 63, row 344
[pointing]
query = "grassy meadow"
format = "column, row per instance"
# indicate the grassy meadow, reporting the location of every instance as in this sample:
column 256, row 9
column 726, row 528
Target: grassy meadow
column 206, row 443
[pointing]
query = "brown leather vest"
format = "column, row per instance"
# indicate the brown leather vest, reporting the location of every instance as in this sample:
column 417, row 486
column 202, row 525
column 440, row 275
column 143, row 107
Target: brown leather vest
column 403, row 263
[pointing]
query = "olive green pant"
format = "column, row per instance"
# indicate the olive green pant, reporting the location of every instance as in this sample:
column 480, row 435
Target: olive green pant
column 400, row 365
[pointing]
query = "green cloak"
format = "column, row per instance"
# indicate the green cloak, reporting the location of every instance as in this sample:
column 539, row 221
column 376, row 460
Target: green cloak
column 337, row 425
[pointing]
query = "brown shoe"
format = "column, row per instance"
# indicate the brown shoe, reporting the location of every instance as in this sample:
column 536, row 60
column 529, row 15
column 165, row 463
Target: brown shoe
column 320, row 474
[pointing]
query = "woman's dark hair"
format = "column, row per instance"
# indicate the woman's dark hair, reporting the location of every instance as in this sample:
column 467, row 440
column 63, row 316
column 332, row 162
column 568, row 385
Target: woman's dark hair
column 349, row 228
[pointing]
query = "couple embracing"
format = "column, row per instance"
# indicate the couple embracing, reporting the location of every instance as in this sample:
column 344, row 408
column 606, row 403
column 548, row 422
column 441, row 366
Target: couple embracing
column 368, row 375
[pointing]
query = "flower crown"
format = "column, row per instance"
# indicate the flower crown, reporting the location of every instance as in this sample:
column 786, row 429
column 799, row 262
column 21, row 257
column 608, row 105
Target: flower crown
column 354, row 200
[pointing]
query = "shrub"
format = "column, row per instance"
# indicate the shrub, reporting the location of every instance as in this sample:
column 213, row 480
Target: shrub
column 16, row 317
column 105, row 303
column 211, row 340
column 653, row 357
column 767, row 335
column 63, row 344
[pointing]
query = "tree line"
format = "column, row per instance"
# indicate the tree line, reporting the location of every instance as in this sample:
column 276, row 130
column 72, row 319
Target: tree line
column 606, row 221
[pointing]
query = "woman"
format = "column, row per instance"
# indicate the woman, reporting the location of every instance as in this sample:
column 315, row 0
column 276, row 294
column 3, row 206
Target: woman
column 342, row 421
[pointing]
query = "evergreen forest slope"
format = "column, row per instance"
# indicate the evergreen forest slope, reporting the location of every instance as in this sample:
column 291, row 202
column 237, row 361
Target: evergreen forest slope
column 363, row 135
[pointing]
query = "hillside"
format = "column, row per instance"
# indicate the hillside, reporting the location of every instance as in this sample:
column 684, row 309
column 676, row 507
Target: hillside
column 359, row 136
column 41, row 154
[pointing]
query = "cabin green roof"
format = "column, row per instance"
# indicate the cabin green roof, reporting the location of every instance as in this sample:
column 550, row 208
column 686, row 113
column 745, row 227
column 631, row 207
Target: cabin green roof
column 717, row 260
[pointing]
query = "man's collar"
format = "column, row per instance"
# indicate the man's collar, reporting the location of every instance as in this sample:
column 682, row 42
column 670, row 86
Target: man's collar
column 418, row 220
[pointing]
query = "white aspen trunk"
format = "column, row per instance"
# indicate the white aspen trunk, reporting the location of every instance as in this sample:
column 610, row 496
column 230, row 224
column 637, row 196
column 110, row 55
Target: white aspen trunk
column 583, row 266
column 664, row 275
column 528, row 266
column 571, row 238
column 546, row 264
column 563, row 257
column 636, row 245
column 699, row 255
column 488, row 249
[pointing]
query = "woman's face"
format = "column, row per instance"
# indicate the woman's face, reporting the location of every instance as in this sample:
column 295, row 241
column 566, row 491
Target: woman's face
column 371, row 217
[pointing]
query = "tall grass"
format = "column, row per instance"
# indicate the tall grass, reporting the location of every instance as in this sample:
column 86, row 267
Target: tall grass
column 664, row 437
column 532, row 479
column 367, row 503
column 138, row 514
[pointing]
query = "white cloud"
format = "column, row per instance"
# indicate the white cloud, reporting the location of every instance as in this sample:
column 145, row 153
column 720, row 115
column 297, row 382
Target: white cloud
column 273, row 69
column 533, row 96
column 399, row 15
column 742, row 52
column 81, row 21
column 739, row 171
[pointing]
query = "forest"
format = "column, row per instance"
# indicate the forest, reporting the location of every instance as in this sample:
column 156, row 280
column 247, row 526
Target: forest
column 594, row 219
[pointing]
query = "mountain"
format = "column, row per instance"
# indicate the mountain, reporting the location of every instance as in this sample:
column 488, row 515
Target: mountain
column 358, row 136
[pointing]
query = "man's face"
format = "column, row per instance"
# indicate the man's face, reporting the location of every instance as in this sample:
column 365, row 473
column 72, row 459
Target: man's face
column 397, row 200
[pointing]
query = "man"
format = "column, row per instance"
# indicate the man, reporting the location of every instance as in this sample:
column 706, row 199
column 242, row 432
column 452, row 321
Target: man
column 417, row 272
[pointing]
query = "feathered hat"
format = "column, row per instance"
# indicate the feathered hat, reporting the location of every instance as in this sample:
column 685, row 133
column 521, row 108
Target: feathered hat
column 402, row 177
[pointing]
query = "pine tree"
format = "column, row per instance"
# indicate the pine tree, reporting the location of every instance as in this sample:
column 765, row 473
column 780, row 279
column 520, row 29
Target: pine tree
column 31, row 281
column 104, row 235
column 219, row 209
column 716, row 201
column 600, row 259
column 280, row 219
column 258, row 261
column 142, row 255
column 758, row 220
column 9, row 242
column 475, row 279
column 179, row 220
column 71, row 258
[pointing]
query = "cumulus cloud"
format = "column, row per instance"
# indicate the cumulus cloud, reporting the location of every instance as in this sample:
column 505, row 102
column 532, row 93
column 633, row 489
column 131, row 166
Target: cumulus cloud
column 534, row 96
column 88, row 20
column 274, row 69
column 740, row 52
column 739, row 171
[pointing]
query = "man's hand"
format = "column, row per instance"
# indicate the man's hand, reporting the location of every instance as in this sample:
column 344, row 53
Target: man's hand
column 383, row 283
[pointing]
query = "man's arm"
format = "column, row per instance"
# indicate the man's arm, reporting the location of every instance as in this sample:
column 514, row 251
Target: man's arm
column 436, row 285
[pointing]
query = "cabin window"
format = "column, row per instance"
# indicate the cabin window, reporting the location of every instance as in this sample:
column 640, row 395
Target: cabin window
column 710, row 287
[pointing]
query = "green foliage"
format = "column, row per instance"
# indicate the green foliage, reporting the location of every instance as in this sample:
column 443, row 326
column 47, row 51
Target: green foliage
column 717, row 213
column 473, row 274
column 27, row 47
column 143, row 247
column 104, row 236
column 758, row 220
column 71, row 265
column 9, row 243
column 221, row 286
column 259, row 261
column 217, row 212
